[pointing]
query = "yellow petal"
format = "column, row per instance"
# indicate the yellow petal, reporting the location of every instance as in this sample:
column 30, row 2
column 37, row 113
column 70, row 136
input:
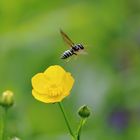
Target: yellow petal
column 55, row 74
column 68, row 83
column 53, row 85
column 40, row 83
column 44, row 98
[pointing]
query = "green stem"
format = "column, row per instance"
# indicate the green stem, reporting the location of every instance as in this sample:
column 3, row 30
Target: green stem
column 1, row 127
column 66, row 120
column 4, row 124
column 82, row 122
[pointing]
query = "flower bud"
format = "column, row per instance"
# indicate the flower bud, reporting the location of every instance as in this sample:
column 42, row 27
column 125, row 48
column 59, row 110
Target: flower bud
column 84, row 111
column 15, row 138
column 7, row 99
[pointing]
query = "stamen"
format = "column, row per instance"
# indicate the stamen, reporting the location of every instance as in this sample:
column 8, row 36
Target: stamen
column 54, row 91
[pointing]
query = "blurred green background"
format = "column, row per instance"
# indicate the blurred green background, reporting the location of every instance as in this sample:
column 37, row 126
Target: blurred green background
column 107, row 79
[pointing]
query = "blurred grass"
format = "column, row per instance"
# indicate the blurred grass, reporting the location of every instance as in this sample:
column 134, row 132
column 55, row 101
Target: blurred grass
column 106, row 79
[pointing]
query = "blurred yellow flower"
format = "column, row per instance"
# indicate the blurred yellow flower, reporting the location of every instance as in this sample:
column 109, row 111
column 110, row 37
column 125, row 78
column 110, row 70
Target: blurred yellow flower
column 53, row 85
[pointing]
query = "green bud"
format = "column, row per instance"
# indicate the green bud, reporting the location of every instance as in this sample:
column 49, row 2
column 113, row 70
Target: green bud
column 7, row 99
column 84, row 111
column 15, row 138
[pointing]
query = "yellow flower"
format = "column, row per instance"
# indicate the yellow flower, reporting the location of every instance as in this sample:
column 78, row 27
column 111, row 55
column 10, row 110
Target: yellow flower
column 53, row 85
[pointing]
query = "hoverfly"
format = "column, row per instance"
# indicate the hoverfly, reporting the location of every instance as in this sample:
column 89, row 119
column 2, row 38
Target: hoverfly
column 74, row 48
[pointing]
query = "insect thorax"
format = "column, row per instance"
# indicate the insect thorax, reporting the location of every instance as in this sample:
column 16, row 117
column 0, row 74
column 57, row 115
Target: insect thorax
column 77, row 47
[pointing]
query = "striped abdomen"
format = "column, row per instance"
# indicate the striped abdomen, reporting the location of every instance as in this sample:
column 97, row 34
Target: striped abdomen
column 67, row 54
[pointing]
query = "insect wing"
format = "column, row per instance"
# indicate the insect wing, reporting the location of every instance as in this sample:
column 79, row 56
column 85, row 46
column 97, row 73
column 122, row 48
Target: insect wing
column 82, row 52
column 66, row 39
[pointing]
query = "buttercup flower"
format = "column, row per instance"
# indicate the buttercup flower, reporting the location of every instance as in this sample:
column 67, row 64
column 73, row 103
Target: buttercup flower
column 53, row 85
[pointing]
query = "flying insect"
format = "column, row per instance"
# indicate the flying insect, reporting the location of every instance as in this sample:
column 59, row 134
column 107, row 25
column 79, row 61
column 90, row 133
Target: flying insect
column 74, row 48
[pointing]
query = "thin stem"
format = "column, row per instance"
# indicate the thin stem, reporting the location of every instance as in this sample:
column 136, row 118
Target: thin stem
column 4, row 124
column 66, row 119
column 82, row 122
column 1, row 127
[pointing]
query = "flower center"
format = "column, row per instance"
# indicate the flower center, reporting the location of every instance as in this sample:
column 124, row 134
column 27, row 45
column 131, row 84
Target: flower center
column 54, row 91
